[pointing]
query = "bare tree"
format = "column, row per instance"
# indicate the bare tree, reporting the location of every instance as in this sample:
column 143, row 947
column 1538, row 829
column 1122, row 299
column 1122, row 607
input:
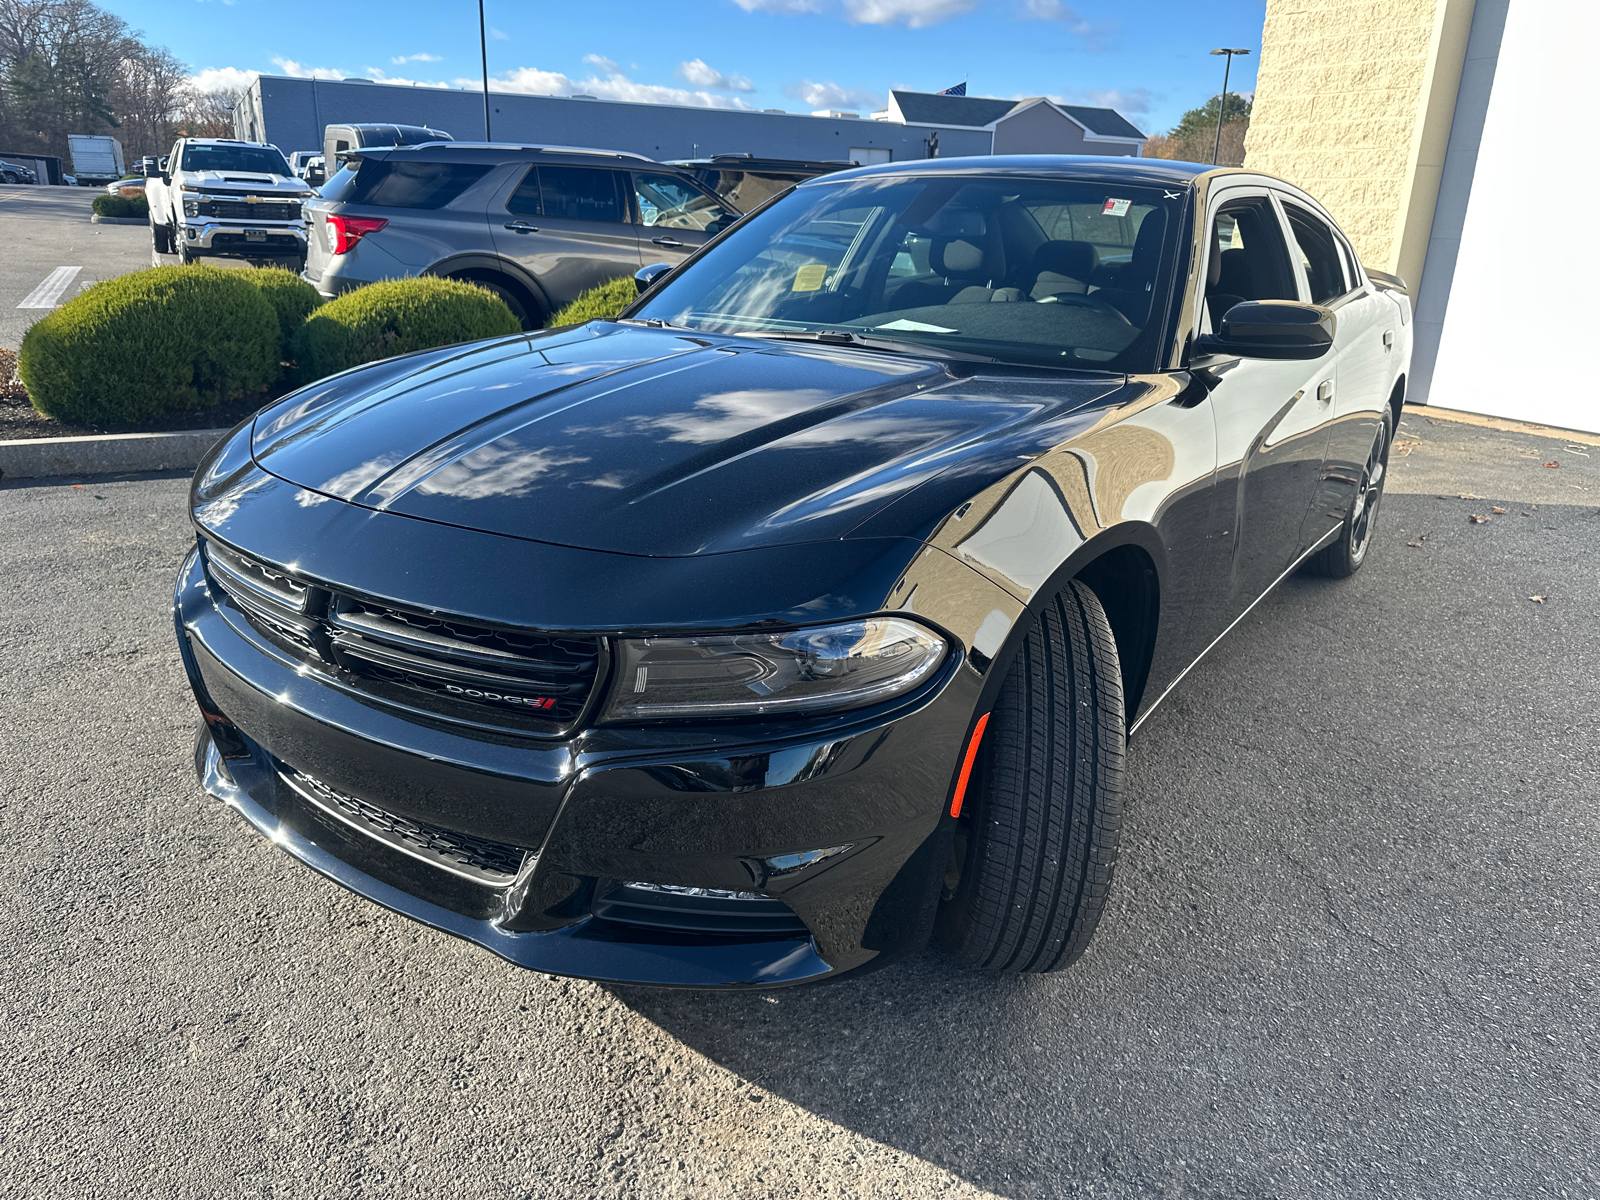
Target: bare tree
column 210, row 114
column 59, row 64
column 149, row 96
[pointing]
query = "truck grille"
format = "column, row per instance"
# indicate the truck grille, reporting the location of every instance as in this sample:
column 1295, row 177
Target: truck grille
column 243, row 210
column 476, row 858
column 474, row 674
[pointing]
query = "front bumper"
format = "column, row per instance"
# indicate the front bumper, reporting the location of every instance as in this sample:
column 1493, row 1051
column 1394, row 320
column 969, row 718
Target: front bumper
column 845, row 827
column 225, row 238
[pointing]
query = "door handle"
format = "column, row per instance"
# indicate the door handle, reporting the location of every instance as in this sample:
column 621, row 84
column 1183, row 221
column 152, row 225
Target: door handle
column 672, row 242
column 1325, row 391
column 1388, row 339
column 522, row 227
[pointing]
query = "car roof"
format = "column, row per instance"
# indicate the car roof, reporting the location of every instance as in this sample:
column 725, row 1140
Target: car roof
column 752, row 162
column 1107, row 168
column 497, row 152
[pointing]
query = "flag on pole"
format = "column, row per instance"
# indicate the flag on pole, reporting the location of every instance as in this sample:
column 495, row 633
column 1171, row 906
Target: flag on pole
column 960, row 89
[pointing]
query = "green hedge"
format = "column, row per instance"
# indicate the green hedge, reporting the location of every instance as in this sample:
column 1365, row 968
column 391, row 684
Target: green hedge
column 291, row 297
column 394, row 317
column 119, row 206
column 138, row 346
column 598, row 303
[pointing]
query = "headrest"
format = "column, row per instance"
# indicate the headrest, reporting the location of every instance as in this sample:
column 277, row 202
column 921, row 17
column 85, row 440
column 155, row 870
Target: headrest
column 953, row 257
column 1214, row 265
column 1234, row 275
column 1075, row 260
column 1147, row 243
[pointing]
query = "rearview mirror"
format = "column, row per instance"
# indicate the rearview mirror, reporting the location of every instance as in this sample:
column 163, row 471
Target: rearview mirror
column 645, row 277
column 1272, row 329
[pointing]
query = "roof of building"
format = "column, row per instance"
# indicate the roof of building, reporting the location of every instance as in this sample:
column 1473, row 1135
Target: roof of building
column 976, row 112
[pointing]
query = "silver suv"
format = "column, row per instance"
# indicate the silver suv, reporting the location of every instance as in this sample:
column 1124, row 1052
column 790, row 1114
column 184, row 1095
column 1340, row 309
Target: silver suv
column 535, row 224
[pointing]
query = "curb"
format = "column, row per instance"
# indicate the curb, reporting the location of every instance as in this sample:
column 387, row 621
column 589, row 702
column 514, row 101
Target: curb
column 97, row 219
column 104, row 454
column 1503, row 424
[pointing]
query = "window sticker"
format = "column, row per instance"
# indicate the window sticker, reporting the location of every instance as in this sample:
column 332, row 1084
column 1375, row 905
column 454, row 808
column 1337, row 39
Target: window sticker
column 1116, row 208
column 809, row 277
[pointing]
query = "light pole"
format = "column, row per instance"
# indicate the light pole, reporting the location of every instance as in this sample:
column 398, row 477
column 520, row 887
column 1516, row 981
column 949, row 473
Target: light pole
column 483, row 47
column 1222, row 104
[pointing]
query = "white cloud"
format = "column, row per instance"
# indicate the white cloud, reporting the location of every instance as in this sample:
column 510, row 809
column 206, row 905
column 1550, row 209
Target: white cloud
column 786, row 8
column 702, row 74
column 831, row 95
column 1094, row 33
column 217, row 79
column 405, row 58
column 915, row 14
column 533, row 81
column 601, row 63
column 499, row 35
column 1132, row 102
column 291, row 68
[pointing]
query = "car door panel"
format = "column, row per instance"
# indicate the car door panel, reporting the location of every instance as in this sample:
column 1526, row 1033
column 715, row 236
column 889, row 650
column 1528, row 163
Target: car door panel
column 673, row 218
column 567, row 227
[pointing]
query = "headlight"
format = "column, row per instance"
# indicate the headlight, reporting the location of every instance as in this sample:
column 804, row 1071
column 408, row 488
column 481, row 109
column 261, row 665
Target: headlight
column 751, row 674
column 191, row 208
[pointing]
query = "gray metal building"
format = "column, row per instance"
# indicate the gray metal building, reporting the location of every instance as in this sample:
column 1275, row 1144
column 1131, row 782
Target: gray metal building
column 292, row 113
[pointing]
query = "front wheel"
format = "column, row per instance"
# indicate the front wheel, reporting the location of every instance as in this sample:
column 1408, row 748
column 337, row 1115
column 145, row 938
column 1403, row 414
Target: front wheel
column 1034, row 854
column 1344, row 557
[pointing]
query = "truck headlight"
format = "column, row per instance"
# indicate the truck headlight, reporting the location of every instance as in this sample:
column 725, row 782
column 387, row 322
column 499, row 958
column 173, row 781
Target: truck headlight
column 191, row 208
column 821, row 669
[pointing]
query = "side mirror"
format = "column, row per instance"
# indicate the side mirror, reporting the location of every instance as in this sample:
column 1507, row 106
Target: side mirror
column 645, row 277
column 1272, row 329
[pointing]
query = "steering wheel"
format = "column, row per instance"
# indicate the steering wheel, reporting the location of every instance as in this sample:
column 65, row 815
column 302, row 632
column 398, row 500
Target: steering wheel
column 1091, row 302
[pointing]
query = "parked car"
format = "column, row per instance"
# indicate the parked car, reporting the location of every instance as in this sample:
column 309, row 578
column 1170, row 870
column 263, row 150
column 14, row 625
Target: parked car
column 227, row 198
column 537, row 225
column 133, row 183
column 11, row 172
column 803, row 611
column 340, row 140
column 747, row 182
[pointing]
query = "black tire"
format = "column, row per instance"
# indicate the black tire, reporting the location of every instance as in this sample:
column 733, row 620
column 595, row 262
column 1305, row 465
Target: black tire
column 1344, row 557
column 515, row 300
column 1043, row 814
column 8, row 177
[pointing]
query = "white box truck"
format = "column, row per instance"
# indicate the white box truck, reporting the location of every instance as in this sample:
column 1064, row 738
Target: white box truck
column 96, row 160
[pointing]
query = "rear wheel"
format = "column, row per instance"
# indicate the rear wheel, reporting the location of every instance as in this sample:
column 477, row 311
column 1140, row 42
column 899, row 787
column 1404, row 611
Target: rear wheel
column 1345, row 556
column 1037, row 847
column 521, row 307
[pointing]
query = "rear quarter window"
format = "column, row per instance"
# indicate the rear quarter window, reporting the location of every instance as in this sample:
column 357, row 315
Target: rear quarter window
column 384, row 183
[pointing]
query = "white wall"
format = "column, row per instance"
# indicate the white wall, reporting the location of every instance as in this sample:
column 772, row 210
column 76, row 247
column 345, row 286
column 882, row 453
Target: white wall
column 1518, row 336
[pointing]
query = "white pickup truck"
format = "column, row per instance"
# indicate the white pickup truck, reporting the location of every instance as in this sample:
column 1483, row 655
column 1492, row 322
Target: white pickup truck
column 224, row 198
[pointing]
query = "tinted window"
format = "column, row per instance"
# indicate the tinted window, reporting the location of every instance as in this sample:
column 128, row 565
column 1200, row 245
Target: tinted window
column 406, row 184
column 668, row 202
column 579, row 194
column 1248, row 258
column 339, row 184
column 261, row 160
column 1319, row 254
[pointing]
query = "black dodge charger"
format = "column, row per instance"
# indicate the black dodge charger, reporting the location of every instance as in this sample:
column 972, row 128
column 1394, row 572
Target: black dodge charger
column 801, row 613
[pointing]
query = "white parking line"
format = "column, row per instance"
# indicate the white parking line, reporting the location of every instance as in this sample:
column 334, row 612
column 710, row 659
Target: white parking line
column 48, row 294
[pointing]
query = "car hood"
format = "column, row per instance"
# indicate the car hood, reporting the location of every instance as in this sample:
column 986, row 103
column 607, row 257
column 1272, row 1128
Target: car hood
column 649, row 442
column 259, row 180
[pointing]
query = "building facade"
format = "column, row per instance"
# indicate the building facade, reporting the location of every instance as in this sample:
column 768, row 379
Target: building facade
column 1426, row 127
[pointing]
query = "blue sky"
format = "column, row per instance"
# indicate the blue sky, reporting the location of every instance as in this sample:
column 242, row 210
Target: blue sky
column 1147, row 58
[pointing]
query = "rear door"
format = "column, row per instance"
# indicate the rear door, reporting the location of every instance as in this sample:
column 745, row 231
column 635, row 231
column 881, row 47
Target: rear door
column 568, row 227
column 675, row 218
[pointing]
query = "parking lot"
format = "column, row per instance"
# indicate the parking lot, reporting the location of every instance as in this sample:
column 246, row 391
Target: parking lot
column 1351, row 951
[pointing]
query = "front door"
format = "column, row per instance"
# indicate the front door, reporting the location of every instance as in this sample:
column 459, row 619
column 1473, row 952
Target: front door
column 674, row 218
column 567, row 227
column 1271, row 414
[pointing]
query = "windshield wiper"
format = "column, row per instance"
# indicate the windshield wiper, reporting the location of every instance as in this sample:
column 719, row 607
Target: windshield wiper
column 847, row 337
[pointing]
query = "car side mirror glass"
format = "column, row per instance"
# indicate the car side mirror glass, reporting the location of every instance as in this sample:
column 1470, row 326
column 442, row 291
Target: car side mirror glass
column 1272, row 329
column 645, row 277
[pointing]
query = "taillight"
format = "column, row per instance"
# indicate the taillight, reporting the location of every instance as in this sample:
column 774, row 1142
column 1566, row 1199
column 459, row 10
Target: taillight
column 345, row 232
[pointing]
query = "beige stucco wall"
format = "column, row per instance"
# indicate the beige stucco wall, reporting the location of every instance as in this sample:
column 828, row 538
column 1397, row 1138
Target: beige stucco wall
column 1353, row 103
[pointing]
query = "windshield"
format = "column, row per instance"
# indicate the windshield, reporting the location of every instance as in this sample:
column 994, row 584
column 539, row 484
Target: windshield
column 1058, row 272
column 260, row 160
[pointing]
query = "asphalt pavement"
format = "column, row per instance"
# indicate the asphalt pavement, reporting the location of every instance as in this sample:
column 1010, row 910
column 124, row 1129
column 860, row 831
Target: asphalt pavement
column 1351, row 949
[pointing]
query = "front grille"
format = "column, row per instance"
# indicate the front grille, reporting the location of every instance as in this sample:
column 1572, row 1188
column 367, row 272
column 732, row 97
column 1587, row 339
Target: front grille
column 243, row 210
column 512, row 679
column 704, row 911
column 475, row 858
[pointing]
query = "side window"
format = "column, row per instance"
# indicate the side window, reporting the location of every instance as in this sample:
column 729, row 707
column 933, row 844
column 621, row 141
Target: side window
column 1247, row 259
column 579, row 194
column 525, row 200
column 667, row 202
column 1319, row 254
column 409, row 184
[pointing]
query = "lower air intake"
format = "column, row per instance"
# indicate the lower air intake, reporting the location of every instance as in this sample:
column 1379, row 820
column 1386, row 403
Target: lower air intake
column 706, row 911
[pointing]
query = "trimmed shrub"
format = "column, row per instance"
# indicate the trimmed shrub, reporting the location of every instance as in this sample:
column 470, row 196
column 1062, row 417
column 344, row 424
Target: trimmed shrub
column 394, row 317
column 121, row 206
column 291, row 297
column 170, row 339
column 598, row 303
